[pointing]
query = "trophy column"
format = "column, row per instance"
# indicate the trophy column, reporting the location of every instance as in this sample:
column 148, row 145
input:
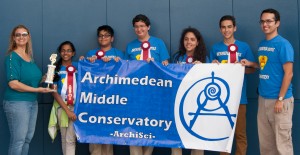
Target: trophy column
column 51, row 71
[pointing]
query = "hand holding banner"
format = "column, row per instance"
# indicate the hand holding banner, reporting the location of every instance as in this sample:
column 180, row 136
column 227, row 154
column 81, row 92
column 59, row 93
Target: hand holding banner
column 125, row 103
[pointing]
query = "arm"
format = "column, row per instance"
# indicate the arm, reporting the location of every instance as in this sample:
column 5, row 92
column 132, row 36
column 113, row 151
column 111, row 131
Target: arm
column 247, row 63
column 251, row 66
column 13, row 67
column 250, row 57
column 164, row 54
column 21, row 87
column 287, row 78
column 249, row 70
column 60, row 101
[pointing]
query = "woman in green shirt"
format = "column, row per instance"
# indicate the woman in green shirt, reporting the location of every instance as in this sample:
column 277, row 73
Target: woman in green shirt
column 20, row 98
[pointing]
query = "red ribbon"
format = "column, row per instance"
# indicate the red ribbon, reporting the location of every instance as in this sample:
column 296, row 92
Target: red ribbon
column 232, row 48
column 189, row 59
column 145, row 49
column 70, row 93
column 100, row 54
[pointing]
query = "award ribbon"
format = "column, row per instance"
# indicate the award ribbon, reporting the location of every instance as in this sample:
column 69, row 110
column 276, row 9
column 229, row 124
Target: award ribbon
column 189, row 59
column 70, row 95
column 232, row 48
column 145, row 50
column 100, row 54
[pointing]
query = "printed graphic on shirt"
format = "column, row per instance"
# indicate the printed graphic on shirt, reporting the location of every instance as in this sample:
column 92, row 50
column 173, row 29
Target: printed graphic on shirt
column 267, row 49
column 138, row 57
column 262, row 61
column 224, row 61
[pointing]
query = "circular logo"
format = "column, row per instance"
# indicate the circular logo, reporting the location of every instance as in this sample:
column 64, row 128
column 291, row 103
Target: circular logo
column 201, row 101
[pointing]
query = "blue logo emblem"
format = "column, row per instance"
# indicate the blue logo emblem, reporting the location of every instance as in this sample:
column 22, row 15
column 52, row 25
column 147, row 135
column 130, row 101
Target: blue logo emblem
column 212, row 97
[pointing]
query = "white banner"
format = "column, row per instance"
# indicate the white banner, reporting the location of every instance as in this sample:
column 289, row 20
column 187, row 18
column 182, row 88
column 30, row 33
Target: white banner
column 207, row 105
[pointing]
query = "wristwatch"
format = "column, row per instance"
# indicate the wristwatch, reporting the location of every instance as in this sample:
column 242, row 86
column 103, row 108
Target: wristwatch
column 280, row 98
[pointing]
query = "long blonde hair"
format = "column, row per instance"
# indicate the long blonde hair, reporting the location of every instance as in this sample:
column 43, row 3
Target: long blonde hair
column 12, row 44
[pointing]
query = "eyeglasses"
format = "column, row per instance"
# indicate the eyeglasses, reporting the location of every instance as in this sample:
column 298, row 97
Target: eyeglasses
column 66, row 51
column 104, row 36
column 24, row 34
column 268, row 21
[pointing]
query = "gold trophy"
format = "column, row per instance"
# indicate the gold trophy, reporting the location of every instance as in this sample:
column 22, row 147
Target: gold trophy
column 50, row 72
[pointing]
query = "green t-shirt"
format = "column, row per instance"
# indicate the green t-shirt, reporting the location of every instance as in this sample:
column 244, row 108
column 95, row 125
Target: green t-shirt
column 25, row 72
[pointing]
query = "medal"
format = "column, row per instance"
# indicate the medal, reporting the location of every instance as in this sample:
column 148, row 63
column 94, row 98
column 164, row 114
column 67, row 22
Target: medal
column 100, row 54
column 232, row 48
column 189, row 59
column 145, row 50
column 70, row 95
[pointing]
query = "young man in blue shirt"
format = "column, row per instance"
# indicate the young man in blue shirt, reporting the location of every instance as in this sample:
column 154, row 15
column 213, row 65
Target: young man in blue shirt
column 105, row 35
column 220, row 54
column 156, row 51
column 276, row 102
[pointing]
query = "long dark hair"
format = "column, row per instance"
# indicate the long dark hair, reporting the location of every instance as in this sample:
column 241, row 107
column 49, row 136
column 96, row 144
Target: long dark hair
column 200, row 50
column 59, row 62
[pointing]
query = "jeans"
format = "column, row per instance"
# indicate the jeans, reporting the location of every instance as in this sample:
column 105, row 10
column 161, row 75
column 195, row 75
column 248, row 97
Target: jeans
column 21, row 118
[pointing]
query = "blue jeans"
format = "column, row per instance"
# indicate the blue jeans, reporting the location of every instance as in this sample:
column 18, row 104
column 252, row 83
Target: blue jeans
column 21, row 117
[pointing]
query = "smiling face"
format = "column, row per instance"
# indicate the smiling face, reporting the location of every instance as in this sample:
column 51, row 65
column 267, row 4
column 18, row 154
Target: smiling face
column 190, row 42
column 21, row 37
column 227, row 29
column 141, row 29
column 268, row 24
column 105, row 39
column 66, row 53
